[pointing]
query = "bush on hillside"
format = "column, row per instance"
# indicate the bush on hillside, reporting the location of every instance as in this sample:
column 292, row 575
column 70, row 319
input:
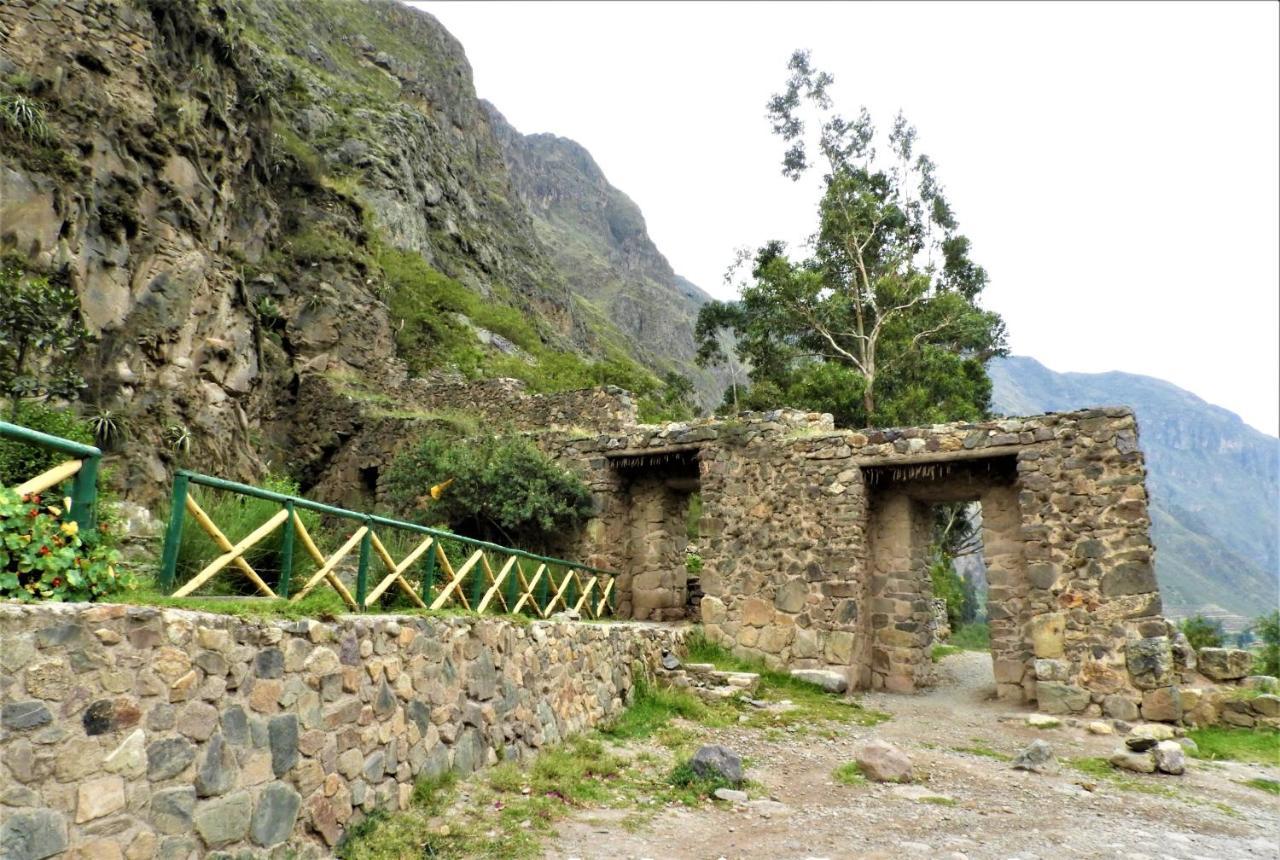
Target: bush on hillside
column 500, row 488
column 19, row 461
column 1267, row 629
column 1201, row 632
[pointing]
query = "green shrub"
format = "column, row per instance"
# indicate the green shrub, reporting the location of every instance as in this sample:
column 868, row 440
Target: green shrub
column 43, row 557
column 972, row 637
column 19, row 461
column 1267, row 630
column 1201, row 632
column 237, row 516
column 502, row 488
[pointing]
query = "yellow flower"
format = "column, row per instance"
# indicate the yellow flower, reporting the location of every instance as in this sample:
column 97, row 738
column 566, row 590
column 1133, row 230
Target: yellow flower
column 70, row 528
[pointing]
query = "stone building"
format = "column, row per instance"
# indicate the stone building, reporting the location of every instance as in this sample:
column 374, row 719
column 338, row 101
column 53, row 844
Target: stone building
column 815, row 539
column 815, row 546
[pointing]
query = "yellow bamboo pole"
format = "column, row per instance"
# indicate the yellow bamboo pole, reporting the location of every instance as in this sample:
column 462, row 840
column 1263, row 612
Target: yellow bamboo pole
column 559, row 595
column 497, row 583
column 396, row 572
column 456, row 581
column 224, row 544
column 528, row 589
column 586, row 591
column 604, row 598
column 51, row 478
column 232, row 554
column 328, row 566
column 318, row 556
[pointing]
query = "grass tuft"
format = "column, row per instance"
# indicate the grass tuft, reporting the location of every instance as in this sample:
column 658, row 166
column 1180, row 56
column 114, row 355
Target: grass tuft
column 849, row 774
column 1270, row 786
column 1261, row 746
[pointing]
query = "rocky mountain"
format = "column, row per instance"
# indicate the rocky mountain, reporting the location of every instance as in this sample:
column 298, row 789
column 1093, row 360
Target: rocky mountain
column 246, row 194
column 1214, row 483
column 599, row 243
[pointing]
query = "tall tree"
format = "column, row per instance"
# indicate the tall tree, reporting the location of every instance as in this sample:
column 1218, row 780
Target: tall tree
column 880, row 322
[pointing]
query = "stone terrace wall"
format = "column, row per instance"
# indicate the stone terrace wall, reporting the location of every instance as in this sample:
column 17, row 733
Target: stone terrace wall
column 137, row 732
column 506, row 401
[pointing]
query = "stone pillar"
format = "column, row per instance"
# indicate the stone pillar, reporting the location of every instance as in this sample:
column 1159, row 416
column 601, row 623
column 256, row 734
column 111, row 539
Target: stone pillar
column 1007, row 609
column 659, row 581
column 900, row 595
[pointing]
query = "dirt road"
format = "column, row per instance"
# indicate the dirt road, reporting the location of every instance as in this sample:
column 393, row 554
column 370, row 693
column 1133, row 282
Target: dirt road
column 967, row 801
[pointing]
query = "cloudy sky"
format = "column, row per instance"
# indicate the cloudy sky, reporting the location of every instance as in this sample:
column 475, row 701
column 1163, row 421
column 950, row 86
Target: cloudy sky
column 1115, row 165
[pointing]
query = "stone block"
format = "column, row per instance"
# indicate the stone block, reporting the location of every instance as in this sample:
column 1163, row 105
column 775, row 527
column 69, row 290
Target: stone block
column 98, row 798
column 756, row 612
column 1130, row 577
column 791, row 597
column 274, row 814
column 839, row 648
column 1163, row 704
column 1120, row 708
column 1057, row 698
column 32, row 834
column 1046, row 633
column 224, row 820
column 832, row 682
column 713, row 610
column 1224, row 664
column 1150, row 662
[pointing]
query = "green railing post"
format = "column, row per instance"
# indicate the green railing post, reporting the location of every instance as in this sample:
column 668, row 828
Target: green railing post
column 173, row 532
column 362, row 572
column 429, row 573
column 84, row 494
column 286, row 553
column 477, row 584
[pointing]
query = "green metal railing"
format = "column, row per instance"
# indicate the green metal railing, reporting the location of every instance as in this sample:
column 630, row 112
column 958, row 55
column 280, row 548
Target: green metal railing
column 81, row 471
column 490, row 576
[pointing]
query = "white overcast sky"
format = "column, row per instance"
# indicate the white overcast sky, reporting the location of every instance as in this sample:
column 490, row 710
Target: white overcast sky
column 1116, row 165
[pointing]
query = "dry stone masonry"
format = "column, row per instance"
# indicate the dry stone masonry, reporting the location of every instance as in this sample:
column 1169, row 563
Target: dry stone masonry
column 137, row 732
column 814, row 542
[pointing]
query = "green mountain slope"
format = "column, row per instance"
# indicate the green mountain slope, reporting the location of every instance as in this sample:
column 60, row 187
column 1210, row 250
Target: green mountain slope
column 1213, row 480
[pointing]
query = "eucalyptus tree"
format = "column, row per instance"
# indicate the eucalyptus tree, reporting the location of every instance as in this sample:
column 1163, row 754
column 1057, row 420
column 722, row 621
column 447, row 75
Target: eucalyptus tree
column 880, row 321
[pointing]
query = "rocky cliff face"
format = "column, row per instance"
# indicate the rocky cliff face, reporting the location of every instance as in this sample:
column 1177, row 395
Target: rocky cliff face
column 221, row 181
column 1214, row 481
column 598, row 240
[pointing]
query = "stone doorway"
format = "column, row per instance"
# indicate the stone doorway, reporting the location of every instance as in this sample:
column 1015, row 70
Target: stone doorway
column 658, row 487
column 902, row 504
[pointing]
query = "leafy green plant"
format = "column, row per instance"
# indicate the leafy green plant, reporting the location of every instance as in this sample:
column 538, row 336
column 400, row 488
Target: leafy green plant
column 109, row 428
column 693, row 563
column 499, row 488
column 18, row 460
column 41, row 334
column 23, row 116
column 1201, row 632
column 972, row 637
column 1267, row 629
column 43, row 557
column 849, row 774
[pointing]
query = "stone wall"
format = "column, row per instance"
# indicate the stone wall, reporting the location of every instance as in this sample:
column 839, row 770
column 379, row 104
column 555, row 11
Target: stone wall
column 136, row 732
column 814, row 545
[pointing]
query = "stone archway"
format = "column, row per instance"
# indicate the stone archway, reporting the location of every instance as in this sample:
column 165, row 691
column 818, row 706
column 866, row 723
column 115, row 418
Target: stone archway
column 900, row 506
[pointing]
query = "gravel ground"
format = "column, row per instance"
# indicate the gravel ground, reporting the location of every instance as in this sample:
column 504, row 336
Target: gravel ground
column 993, row 811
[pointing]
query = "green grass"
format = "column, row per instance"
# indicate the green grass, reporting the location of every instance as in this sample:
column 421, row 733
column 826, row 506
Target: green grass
column 1101, row 769
column 980, row 748
column 1237, row 744
column 653, row 708
column 971, row 637
column 940, row 652
column 849, row 774
column 1269, row 786
column 938, row 800
column 810, row 703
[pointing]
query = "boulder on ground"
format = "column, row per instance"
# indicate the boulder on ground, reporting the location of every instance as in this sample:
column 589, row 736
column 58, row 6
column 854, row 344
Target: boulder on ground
column 832, row 682
column 1170, row 757
column 1155, row 731
column 1099, row 727
column 884, row 762
column 1138, row 762
column 714, row 761
column 1224, row 664
column 1043, row 721
column 1037, row 758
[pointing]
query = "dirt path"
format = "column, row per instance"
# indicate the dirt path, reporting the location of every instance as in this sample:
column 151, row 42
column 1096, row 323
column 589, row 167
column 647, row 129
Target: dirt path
column 994, row 811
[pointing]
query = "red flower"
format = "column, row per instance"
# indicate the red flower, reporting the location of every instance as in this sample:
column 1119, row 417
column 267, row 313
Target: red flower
column 56, row 582
column 44, row 550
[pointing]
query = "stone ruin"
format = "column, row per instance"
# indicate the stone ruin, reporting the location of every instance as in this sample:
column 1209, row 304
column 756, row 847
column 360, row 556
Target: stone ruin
column 815, row 539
